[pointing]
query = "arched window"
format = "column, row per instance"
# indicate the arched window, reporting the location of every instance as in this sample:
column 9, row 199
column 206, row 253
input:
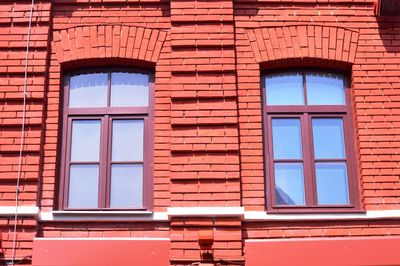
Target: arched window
column 107, row 140
column 308, row 142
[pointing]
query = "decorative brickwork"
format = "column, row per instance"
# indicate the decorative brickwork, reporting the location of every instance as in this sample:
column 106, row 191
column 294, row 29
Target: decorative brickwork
column 303, row 41
column 106, row 41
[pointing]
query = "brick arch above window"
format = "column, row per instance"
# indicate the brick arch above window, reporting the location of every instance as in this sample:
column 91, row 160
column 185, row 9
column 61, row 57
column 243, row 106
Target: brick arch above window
column 108, row 41
column 300, row 41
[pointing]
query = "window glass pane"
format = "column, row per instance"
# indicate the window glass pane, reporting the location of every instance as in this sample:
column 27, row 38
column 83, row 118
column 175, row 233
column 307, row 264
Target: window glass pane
column 332, row 183
column 289, row 183
column 85, row 140
column 127, row 140
column 284, row 89
column 83, row 186
column 286, row 136
column 328, row 138
column 325, row 89
column 126, row 185
column 129, row 89
column 88, row 90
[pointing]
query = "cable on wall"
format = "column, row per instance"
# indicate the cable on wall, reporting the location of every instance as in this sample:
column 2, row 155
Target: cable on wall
column 21, row 145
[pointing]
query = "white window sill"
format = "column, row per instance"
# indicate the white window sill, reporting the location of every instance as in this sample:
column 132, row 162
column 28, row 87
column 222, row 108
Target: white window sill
column 103, row 216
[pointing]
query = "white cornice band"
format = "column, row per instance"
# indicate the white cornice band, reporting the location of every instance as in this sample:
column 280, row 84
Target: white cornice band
column 205, row 212
column 20, row 210
column 173, row 212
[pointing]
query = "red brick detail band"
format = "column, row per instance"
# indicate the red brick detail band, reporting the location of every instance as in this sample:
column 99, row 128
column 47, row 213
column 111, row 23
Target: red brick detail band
column 108, row 41
column 323, row 42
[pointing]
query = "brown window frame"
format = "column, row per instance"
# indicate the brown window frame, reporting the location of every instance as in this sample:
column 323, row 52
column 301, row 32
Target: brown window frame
column 106, row 115
column 305, row 113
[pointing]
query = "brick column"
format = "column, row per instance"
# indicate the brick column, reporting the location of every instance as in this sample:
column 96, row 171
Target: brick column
column 14, row 21
column 204, row 143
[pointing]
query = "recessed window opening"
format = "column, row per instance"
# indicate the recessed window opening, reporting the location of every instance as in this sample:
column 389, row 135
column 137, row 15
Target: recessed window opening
column 308, row 142
column 107, row 140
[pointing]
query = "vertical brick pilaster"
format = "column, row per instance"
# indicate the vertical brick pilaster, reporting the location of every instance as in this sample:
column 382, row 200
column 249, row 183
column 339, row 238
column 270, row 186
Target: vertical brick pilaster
column 204, row 144
column 13, row 40
column 205, row 163
column 226, row 246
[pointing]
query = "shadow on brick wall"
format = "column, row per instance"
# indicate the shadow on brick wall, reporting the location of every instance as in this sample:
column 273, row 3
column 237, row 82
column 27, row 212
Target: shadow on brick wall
column 247, row 7
column 389, row 31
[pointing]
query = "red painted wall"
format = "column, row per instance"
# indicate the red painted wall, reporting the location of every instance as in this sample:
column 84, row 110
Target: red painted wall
column 207, row 57
column 324, row 251
column 75, row 252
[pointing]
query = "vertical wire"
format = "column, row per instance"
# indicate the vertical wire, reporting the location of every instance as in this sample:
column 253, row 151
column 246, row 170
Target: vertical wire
column 21, row 145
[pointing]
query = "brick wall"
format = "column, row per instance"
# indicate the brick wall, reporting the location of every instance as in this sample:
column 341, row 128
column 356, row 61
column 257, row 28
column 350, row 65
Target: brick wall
column 14, row 19
column 208, row 139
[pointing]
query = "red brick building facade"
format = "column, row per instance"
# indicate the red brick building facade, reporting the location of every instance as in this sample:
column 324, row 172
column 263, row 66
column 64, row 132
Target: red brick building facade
column 209, row 195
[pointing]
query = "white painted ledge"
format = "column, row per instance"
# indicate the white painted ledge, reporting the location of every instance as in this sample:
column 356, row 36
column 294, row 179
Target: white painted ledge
column 206, row 212
column 20, row 210
column 103, row 216
column 239, row 212
column 368, row 215
column 142, row 215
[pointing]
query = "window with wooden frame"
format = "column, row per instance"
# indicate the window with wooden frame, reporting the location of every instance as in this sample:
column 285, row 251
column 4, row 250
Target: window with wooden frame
column 308, row 142
column 107, row 140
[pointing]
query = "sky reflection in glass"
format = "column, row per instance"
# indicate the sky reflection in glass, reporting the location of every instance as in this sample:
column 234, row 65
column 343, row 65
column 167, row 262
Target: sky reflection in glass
column 127, row 140
column 88, row 90
column 325, row 89
column 284, row 89
column 85, row 141
column 129, row 89
column 126, row 185
column 289, row 183
column 328, row 138
column 286, row 136
column 332, row 183
column 83, row 186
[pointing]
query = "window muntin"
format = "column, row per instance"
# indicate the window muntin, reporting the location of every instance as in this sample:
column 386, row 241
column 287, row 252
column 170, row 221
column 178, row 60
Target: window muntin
column 309, row 157
column 105, row 163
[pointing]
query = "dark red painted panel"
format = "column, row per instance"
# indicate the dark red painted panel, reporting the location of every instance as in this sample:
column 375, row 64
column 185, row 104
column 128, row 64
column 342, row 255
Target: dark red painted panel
column 98, row 252
column 324, row 251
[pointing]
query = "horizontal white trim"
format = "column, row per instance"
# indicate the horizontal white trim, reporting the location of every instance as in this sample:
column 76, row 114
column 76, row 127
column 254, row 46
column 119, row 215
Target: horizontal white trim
column 383, row 214
column 142, row 215
column 102, row 238
column 209, row 212
column 103, row 216
column 20, row 210
column 205, row 211
column 264, row 216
